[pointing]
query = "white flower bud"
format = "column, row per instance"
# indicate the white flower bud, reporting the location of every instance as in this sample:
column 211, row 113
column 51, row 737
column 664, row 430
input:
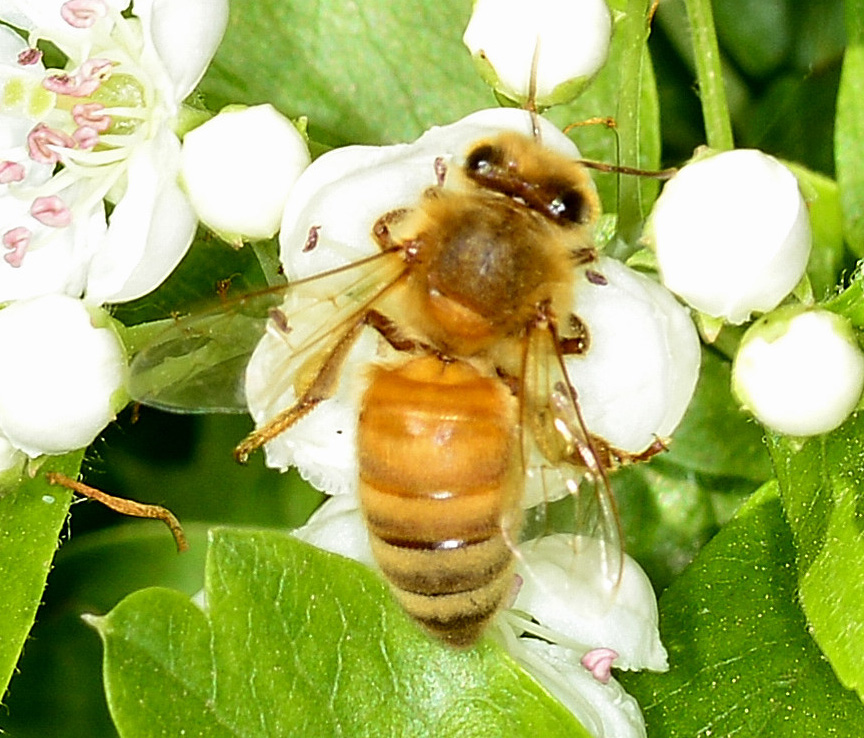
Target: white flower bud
column 61, row 376
column 732, row 234
column 571, row 38
column 639, row 373
column 567, row 591
column 238, row 169
column 800, row 372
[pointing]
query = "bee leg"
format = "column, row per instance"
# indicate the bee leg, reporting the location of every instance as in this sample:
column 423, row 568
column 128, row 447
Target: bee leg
column 578, row 340
column 124, row 506
column 381, row 231
column 322, row 387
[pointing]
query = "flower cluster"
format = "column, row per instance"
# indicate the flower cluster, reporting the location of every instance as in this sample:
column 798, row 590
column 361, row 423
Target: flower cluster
column 105, row 128
column 99, row 129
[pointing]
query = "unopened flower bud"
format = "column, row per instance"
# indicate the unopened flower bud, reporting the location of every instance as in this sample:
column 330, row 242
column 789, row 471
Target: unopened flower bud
column 799, row 371
column 238, row 169
column 570, row 37
column 61, row 377
column 731, row 233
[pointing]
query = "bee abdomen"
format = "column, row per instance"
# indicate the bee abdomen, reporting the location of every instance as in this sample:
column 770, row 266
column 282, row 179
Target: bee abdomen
column 436, row 449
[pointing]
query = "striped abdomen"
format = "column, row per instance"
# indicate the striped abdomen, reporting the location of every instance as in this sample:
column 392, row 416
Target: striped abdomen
column 437, row 454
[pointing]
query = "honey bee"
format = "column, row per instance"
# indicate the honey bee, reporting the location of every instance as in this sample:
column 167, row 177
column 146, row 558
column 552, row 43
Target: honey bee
column 471, row 293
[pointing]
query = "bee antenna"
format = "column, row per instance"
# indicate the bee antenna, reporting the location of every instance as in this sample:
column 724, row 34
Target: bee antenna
column 531, row 102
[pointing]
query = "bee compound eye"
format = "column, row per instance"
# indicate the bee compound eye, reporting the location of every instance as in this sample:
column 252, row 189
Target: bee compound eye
column 483, row 160
column 571, row 206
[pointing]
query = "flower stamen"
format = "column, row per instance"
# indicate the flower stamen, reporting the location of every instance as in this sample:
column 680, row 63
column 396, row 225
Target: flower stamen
column 11, row 171
column 29, row 56
column 83, row 13
column 16, row 242
column 599, row 662
column 51, row 211
column 92, row 115
column 40, row 141
column 89, row 77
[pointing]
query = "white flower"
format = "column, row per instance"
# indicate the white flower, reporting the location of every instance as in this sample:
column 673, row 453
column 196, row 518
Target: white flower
column 732, row 234
column 571, row 39
column 800, row 372
column 566, row 590
column 62, row 374
column 108, row 119
column 637, row 378
column 239, row 167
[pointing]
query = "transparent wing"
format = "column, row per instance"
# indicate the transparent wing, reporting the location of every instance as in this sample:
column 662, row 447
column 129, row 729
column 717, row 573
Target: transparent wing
column 559, row 455
column 198, row 363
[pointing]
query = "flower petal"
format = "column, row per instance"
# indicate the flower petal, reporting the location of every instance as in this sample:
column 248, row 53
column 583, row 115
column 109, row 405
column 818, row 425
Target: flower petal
column 150, row 229
column 185, row 34
column 605, row 710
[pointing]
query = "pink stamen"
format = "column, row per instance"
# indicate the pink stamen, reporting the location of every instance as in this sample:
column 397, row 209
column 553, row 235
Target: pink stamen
column 86, row 137
column 42, row 138
column 84, row 82
column 90, row 114
column 93, row 73
column 16, row 242
column 11, row 171
column 51, row 211
column 61, row 83
column 83, row 13
column 599, row 662
column 29, row 56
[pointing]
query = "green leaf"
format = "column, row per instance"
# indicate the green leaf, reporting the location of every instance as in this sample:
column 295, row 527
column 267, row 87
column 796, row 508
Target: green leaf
column 602, row 100
column 716, row 437
column 92, row 573
column 298, row 642
column 742, row 661
column 32, row 515
column 849, row 146
column 822, row 485
column 369, row 72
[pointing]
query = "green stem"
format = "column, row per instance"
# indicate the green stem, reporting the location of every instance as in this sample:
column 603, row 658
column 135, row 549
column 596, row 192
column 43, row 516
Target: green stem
column 634, row 37
column 715, row 111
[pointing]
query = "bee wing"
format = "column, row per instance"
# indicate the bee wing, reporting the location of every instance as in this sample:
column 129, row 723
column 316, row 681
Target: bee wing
column 559, row 456
column 198, row 363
